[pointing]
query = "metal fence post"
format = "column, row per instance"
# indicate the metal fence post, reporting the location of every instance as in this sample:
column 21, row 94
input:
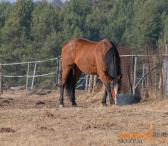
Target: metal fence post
column 1, row 81
column 27, row 77
column 34, row 73
column 135, row 68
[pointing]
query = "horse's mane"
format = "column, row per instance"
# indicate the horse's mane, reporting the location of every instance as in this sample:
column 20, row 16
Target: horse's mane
column 115, row 48
column 79, row 39
column 114, row 63
column 83, row 39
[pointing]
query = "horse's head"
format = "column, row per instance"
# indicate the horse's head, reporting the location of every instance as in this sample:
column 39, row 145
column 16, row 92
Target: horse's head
column 115, row 85
column 114, row 71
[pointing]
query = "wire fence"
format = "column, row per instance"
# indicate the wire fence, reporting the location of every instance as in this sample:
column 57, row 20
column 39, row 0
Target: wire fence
column 138, row 71
column 30, row 71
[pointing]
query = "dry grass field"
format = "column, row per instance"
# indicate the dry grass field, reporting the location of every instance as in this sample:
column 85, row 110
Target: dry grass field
column 36, row 120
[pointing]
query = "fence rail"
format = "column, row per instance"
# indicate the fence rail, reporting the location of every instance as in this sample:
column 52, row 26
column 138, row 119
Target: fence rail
column 46, row 60
column 30, row 62
column 88, row 81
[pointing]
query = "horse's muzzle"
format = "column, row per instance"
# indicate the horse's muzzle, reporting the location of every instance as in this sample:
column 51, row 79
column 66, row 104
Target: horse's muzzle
column 115, row 93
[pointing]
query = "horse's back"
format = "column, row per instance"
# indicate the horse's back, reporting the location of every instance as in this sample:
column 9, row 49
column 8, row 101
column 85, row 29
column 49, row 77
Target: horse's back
column 84, row 46
column 78, row 45
column 80, row 52
column 87, row 55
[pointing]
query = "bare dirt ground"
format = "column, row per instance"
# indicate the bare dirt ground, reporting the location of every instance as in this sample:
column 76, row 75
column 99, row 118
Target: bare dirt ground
column 37, row 120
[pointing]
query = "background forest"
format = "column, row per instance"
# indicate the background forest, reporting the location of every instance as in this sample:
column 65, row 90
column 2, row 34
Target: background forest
column 37, row 30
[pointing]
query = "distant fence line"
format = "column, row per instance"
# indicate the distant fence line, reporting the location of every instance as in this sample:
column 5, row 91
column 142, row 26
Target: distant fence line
column 88, row 81
column 40, row 61
column 27, row 76
column 30, row 62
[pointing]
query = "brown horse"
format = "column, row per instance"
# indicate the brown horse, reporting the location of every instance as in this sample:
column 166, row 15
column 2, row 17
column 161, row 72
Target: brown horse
column 101, row 58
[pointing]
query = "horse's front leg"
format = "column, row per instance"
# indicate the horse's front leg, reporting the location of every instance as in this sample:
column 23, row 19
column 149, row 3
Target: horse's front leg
column 104, row 79
column 108, row 90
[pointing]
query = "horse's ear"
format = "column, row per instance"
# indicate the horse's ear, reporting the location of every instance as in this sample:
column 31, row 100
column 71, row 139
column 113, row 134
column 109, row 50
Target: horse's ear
column 107, row 43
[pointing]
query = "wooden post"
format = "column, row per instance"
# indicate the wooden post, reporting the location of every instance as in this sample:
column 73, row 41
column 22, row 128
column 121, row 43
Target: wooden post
column 143, row 73
column 155, row 77
column 131, row 73
column 165, row 78
column 59, row 71
column 147, row 77
column 166, row 49
column 135, row 68
column 149, row 65
column 90, row 84
column 27, row 77
column 162, row 86
column 94, row 82
column 56, row 72
column 86, row 83
column 1, row 81
column 34, row 73
column 166, row 58
column 160, row 82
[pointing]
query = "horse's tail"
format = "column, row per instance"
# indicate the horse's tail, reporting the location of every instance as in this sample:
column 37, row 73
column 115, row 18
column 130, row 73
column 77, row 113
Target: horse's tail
column 69, row 82
column 116, row 60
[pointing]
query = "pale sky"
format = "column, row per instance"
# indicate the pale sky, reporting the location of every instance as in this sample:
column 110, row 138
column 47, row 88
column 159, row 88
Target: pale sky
column 15, row 0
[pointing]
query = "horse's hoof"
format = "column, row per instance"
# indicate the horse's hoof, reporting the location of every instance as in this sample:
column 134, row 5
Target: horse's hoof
column 74, row 105
column 104, row 104
column 112, row 103
column 61, row 106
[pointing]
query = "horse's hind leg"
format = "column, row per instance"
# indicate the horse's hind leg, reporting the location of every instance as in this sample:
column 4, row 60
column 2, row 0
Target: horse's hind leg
column 61, row 99
column 76, row 76
column 65, row 72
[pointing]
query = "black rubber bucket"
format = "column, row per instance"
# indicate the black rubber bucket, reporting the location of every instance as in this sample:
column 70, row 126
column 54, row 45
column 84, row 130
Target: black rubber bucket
column 126, row 99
